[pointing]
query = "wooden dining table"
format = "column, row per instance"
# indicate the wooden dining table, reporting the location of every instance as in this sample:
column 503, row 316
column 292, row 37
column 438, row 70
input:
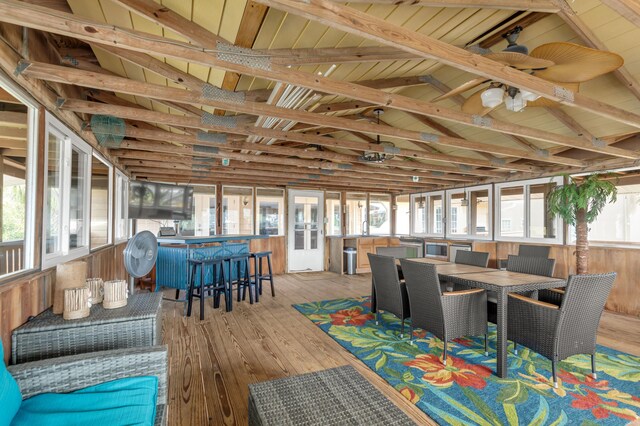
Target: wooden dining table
column 503, row 282
column 500, row 281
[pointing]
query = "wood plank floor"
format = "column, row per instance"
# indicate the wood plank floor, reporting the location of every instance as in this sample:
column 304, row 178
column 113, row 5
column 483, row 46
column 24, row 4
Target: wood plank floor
column 213, row 361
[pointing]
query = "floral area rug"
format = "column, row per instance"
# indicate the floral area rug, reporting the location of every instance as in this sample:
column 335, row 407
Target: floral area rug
column 467, row 391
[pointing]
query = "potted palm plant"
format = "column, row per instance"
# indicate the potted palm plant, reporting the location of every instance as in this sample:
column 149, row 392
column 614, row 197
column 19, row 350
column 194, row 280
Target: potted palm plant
column 579, row 202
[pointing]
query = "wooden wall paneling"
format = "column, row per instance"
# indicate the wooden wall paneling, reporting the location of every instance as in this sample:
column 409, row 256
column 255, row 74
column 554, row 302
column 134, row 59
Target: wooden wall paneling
column 276, row 245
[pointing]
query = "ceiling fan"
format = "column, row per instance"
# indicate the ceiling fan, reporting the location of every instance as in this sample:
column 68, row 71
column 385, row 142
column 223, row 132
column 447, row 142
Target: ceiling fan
column 566, row 64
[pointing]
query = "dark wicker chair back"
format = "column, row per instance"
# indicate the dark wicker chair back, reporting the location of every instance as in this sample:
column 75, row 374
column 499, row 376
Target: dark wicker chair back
column 397, row 252
column 580, row 313
column 475, row 258
column 389, row 295
column 425, row 297
column 531, row 265
column 527, row 250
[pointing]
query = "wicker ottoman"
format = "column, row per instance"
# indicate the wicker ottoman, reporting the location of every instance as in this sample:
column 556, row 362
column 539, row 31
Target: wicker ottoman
column 338, row 396
column 48, row 335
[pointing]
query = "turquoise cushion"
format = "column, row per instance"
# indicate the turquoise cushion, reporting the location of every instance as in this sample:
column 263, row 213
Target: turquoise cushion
column 10, row 397
column 130, row 401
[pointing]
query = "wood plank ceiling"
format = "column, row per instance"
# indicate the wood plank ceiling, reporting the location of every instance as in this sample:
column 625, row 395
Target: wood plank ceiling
column 306, row 86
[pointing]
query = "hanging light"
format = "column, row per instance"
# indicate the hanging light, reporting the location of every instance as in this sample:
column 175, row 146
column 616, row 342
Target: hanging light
column 389, row 148
column 515, row 103
column 529, row 96
column 492, row 97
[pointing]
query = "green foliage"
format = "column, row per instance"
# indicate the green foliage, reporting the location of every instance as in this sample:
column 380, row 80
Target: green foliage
column 590, row 194
column 13, row 213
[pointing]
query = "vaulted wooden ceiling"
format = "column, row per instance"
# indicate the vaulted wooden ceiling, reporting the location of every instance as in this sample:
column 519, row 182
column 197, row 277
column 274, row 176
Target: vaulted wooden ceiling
column 286, row 89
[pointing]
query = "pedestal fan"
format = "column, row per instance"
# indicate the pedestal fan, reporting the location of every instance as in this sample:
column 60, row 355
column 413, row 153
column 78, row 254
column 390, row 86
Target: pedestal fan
column 140, row 255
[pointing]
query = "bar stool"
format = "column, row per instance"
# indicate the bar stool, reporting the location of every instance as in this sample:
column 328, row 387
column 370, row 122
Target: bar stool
column 258, row 276
column 215, row 287
column 238, row 265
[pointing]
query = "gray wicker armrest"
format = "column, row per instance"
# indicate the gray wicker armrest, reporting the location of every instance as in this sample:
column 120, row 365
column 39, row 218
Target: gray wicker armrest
column 532, row 323
column 469, row 304
column 463, row 292
column 69, row 373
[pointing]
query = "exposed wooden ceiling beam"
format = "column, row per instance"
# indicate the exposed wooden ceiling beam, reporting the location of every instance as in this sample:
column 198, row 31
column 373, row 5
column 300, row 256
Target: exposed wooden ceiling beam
column 229, row 127
column 590, row 39
column 13, row 119
column 47, row 20
column 523, row 22
column 362, row 24
column 537, row 5
column 122, row 85
column 7, row 97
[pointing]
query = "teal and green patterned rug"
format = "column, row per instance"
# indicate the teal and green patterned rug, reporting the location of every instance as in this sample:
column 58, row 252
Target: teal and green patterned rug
column 467, row 391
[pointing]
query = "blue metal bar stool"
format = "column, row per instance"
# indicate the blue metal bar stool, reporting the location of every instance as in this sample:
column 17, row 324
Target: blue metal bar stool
column 240, row 276
column 212, row 281
column 258, row 277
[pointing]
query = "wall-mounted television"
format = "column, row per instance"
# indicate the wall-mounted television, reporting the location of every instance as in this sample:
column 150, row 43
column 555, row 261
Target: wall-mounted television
column 152, row 200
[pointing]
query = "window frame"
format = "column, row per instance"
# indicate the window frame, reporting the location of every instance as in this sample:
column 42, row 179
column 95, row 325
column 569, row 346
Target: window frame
column 427, row 215
column 124, row 188
column 69, row 141
column 390, row 207
column 253, row 207
column 469, row 235
column 110, row 238
column 526, row 184
column 396, row 211
column 330, row 218
column 31, row 175
column 256, row 212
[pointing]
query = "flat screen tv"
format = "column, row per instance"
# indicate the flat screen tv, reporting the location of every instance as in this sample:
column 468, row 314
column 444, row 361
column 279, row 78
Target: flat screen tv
column 152, row 200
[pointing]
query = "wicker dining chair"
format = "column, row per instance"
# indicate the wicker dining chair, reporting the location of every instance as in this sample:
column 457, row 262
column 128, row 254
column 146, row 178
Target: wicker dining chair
column 447, row 315
column 475, row 258
column 466, row 257
column 528, row 250
column 558, row 332
column 391, row 294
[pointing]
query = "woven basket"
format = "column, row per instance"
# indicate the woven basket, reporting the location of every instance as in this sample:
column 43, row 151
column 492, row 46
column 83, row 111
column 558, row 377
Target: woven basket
column 115, row 294
column 76, row 303
column 96, row 290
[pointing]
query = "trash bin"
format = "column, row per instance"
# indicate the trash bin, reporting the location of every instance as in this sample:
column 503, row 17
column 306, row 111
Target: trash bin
column 350, row 260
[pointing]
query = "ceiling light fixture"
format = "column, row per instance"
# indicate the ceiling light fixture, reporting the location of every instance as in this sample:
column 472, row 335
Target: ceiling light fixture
column 389, row 148
column 492, row 97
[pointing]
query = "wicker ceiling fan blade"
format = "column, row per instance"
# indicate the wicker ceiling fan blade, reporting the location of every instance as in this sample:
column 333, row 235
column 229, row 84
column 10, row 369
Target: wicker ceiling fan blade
column 575, row 63
column 462, row 88
column 548, row 103
column 519, row 60
column 473, row 104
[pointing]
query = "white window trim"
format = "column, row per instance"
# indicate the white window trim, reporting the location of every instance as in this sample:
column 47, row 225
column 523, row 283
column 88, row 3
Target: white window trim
column 559, row 239
column 256, row 210
column 31, row 175
column 467, row 236
column 427, row 214
column 70, row 140
column 118, row 207
column 110, row 238
column 378, row 194
column 253, row 201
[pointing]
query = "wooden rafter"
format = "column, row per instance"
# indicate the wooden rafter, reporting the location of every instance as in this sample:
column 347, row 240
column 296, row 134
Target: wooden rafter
column 536, row 5
column 355, row 22
column 42, row 18
column 123, row 85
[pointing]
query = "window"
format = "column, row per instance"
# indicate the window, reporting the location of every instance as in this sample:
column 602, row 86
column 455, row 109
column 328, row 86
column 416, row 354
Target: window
column 522, row 213
column 419, row 210
column 121, row 222
column 237, row 210
column 427, row 211
column 356, row 213
column 470, row 212
column 203, row 213
column 101, row 178
column 270, row 212
column 18, row 179
column 403, row 216
column 619, row 222
column 379, row 214
column 67, row 195
column 334, row 213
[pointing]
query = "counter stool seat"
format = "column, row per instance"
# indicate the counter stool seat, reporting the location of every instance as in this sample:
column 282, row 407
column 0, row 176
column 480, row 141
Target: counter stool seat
column 258, row 276
column 239, row 263
column 215, row 286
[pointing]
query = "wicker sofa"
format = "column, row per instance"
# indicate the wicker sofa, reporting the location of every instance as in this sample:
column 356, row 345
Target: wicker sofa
column 70, row 373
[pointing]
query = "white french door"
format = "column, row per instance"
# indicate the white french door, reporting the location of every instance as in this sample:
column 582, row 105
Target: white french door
column 306, row 236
